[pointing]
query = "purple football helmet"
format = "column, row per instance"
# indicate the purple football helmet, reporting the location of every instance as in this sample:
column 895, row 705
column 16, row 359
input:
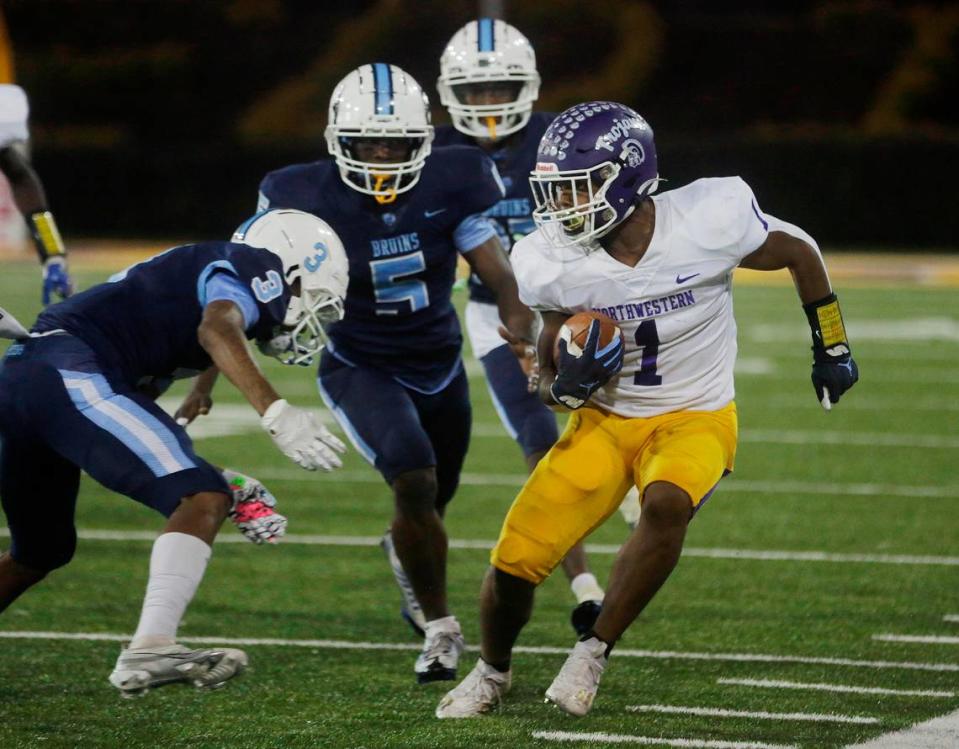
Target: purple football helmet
column 595, row 163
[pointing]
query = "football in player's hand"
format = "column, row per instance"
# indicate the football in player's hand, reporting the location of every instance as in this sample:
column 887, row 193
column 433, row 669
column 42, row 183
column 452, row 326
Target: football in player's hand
column 576, row 329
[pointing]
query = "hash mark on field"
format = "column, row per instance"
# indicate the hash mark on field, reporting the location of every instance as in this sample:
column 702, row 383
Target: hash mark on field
column 533, row 649
column 621, row 738
column 715, row 712
column 951, row 618
column 920, row 639
column 777, row 684
column 759, row 555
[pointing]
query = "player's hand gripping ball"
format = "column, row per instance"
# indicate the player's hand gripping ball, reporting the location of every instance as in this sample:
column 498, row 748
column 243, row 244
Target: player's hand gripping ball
column 589, row 351
column 576, row 330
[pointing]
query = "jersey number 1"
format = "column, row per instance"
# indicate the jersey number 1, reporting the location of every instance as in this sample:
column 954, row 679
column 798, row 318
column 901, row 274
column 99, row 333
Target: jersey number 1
column 648, row 340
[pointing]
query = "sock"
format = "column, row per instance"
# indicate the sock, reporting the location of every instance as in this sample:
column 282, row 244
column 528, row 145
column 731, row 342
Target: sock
column 177, row 565
column 443, row 624
column 503, row 667
column 591, row 635
column 586, row 588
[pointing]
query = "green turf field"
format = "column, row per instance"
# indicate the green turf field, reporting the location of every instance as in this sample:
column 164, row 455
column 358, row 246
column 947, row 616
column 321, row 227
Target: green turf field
column 835, row 529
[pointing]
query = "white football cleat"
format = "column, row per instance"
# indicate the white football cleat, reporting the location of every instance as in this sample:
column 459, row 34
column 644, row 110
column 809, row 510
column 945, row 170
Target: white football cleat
column 441, row 651
column 574, row 687
column 481, row 691
column 140, row 669
column 411, row 611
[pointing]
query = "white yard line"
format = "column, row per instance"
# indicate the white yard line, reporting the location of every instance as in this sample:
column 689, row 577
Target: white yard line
column 801, row 685
column 938, row 733
column 951, row 618
column 759, row 555
column 535, row 650
column 715, row 712
column 919, row 639
column 569, row 737
column 485, row 544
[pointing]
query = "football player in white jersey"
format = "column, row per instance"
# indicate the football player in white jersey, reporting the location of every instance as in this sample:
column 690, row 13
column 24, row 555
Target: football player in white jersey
column 659, row 410
column 28, row 192
column 489, row 83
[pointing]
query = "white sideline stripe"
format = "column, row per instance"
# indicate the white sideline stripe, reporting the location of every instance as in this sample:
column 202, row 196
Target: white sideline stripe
column 531, row 649
column 921, row 639
column 760, row 555
column 938, row 733
column 622, row 738
column 951, row 618
column 715, row 712
column 776, row 684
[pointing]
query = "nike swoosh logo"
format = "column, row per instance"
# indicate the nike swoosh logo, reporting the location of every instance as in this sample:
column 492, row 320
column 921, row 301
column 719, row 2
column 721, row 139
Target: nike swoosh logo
column 681, row 279
column 430, row 214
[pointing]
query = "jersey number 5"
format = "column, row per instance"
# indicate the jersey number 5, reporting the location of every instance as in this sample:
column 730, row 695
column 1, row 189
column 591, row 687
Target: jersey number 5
column 392, row 293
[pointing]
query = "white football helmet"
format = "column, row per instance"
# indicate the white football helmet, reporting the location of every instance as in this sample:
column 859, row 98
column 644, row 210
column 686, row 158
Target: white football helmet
column 379, row 101
column 488, row 51
column 313, row 255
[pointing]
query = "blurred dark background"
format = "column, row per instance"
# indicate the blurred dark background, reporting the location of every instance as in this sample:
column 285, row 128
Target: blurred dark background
column 159, row 117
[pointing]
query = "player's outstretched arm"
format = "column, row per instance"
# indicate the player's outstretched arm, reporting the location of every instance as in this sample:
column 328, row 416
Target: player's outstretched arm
column 31, row 200
column 491, row 264
column 833, row 371
column 295, row 431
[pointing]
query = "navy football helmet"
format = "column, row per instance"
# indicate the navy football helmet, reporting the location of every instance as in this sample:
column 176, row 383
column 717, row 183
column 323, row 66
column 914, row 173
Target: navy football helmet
column 595, row 163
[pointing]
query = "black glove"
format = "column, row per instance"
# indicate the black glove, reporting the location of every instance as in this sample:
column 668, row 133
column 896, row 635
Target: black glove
column 833, row 368
column 581, row 376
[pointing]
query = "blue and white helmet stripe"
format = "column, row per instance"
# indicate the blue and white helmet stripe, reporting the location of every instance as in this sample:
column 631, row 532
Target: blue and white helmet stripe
column 383, row 88
column 485, row 39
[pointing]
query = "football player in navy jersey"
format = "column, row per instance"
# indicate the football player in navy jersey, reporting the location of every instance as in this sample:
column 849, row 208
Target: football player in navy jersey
column 73, row 396
column 392, row 372
column 488, row 83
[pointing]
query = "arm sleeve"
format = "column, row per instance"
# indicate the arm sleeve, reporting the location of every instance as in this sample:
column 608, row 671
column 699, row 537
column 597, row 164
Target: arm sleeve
column 472, row 232
column 225, row 286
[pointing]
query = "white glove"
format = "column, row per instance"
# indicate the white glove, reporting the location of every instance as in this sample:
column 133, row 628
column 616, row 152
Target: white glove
column 252, row 510
column 301, row 438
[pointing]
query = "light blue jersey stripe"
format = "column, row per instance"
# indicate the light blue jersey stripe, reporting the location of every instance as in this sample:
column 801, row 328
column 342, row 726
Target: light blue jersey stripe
column 485, row 39
column 343, row 420
column 502, row 413
column 205, row 275
column 472, row 232
column 139, row 430
column 383, row 85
